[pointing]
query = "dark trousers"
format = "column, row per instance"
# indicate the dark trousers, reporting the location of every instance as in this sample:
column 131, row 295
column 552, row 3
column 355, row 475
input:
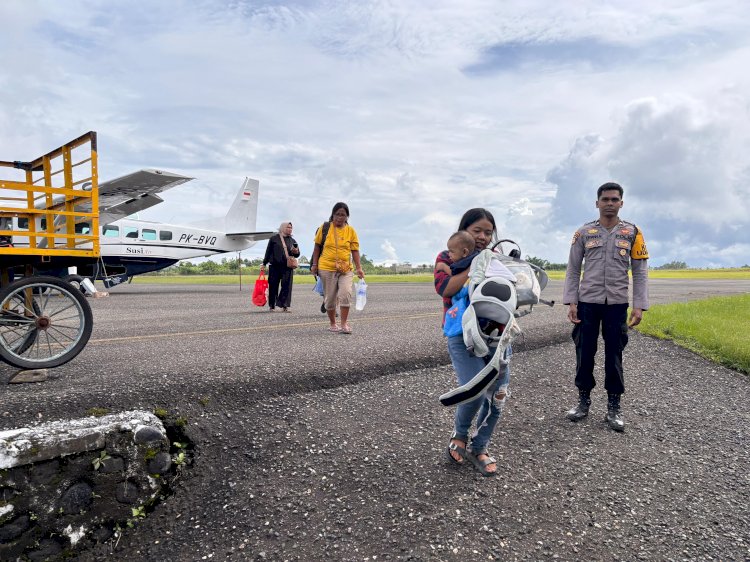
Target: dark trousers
column 282, row 276
column 613, row 321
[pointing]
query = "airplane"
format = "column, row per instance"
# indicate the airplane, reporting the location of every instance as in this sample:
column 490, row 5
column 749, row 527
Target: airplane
column 132, row 247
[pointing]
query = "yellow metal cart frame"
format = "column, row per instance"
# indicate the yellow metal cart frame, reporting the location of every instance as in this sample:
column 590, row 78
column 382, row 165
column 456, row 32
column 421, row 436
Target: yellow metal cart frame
column 49, row 215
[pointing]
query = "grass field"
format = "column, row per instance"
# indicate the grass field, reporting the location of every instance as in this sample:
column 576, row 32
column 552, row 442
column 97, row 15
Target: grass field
column 738, row 273
column 250, row 279
column 715, row 328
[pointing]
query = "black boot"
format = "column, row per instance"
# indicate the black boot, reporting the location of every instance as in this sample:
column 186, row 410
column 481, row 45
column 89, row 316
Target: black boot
column 614, row 419
column 582, row 409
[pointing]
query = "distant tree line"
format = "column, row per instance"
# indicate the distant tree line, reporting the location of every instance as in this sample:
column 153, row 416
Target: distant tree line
column 673, row 265
column 546, row 265
column 231, row 266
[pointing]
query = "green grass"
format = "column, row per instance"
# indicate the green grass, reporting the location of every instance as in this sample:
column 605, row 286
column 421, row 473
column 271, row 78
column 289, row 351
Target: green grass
column 307, row 279
column 248, row 279
column 736, row 273
column 715, row 328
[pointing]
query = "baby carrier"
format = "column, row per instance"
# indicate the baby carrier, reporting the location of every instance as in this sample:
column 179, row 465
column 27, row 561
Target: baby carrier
column 489, row 322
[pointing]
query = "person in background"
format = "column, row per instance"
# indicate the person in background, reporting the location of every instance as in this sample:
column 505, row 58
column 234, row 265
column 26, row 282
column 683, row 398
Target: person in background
column 332, row 261
column 608, row 246
column 483, row 412
column 280, row 276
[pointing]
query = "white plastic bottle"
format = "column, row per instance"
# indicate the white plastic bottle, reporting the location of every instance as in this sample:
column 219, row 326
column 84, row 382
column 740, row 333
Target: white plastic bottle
column 361, row 300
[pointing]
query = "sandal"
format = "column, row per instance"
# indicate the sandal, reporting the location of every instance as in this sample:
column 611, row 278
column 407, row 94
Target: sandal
column 346, row 329
column 483, row 464
column 459, row 450
column 335, row 329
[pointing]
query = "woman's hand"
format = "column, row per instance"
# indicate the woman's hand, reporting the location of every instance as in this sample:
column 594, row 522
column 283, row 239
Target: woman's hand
column 360, row 273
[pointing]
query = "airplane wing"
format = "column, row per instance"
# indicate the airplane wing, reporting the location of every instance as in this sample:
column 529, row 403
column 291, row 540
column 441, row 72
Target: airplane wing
column 251, row 235
column 134, row 192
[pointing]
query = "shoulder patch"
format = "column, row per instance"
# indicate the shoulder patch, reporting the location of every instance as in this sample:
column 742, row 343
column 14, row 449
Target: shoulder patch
column 576, row 236
column 638, row 251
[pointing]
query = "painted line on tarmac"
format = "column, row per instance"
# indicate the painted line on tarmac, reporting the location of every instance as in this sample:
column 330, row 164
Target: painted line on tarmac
column 251, row 329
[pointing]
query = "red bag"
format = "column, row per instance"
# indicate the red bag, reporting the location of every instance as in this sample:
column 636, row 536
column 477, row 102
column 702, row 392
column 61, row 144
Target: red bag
column 260, row 291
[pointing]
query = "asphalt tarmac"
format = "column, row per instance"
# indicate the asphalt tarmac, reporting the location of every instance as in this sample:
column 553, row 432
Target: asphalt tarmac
column 311, row 445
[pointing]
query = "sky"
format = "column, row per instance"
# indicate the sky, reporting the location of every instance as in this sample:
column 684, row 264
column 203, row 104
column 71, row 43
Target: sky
column 410, row 112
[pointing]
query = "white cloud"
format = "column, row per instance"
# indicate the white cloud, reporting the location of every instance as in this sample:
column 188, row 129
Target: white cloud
column 389, row 251
column 683, row 180
column 409, row 113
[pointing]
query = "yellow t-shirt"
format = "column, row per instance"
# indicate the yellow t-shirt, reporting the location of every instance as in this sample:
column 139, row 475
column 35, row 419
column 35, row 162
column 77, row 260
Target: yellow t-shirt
column 347, row 240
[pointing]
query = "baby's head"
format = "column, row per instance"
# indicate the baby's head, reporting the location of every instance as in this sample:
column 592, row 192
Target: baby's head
column 460, row 245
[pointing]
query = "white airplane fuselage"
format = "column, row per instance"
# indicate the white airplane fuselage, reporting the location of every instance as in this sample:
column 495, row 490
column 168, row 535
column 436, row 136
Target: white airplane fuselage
column 131, row 247
column 165, row 241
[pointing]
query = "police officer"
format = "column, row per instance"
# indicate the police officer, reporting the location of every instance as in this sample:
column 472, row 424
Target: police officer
column 608, row 246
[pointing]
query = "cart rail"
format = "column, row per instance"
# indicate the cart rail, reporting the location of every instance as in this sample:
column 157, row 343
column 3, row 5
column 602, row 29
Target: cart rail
column 55, row 203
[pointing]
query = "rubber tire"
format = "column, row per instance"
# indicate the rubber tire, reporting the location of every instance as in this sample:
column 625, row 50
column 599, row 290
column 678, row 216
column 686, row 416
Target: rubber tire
column 88, row 323
column 76, row 281
column 31, row 336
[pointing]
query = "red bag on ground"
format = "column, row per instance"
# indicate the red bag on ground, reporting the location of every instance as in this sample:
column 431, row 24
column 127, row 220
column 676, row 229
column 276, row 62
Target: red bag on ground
column 260, row 291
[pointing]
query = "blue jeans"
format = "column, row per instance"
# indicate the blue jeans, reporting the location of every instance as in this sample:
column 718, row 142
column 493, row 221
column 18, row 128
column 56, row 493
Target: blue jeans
column 487, row 409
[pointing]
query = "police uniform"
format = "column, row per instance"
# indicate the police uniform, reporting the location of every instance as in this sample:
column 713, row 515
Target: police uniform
column 602, row 296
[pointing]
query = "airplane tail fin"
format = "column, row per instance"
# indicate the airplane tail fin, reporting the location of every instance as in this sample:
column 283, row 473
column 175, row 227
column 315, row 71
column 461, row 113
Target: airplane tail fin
column 243, row 214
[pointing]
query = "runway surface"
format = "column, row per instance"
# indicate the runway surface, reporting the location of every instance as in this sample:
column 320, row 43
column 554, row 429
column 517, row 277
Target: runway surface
column 312, row 445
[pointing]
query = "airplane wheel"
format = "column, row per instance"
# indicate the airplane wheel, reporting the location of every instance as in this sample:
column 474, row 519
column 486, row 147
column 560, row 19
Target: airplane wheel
column 76, row 281
column 51, row 331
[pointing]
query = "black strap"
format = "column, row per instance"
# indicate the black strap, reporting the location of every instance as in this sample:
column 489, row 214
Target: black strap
column 326, row 227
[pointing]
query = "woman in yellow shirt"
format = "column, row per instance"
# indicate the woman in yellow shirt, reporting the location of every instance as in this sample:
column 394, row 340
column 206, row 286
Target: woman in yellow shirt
column 332, row 261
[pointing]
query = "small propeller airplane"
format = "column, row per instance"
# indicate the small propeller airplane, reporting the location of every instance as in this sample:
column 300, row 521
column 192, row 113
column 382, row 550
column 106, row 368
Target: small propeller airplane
column 131, row 247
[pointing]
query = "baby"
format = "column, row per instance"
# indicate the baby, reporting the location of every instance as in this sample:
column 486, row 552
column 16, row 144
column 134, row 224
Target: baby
column 461, row 249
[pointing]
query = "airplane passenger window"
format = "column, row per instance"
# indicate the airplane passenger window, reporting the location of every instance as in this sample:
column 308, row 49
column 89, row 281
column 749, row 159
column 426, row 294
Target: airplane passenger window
column 165, row 235
column 130, row 232
column 23, row 223
column 111, row 231
column 148, row 234
column 83, row 228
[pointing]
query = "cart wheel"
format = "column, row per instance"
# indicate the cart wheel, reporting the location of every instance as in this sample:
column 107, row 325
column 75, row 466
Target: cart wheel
column 23, row 337
column 50, row 332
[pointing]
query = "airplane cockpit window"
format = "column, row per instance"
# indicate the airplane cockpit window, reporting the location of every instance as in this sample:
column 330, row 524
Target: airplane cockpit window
column 83, row 228
column 148, row 234
column 165, row 235
column 130, row 232
column 111, row 231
